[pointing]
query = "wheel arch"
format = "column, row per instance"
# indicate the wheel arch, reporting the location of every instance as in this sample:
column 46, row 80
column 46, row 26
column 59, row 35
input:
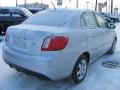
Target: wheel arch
column 87, row 54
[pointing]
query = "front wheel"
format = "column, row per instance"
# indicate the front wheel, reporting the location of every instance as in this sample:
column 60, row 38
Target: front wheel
column 80, row 69
column 112, row 49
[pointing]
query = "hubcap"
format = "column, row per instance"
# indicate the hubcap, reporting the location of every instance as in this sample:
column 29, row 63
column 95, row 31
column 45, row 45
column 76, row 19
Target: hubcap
column 82, row 67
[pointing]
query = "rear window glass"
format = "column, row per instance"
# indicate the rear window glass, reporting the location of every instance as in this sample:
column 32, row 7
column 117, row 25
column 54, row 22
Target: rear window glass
column 50, row 18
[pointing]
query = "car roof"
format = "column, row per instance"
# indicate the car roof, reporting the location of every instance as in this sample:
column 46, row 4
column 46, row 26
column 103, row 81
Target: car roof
column 70, row 10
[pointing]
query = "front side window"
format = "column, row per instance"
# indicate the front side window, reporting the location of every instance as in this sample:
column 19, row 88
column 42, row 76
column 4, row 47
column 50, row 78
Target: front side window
column 101, row 21
column 89, row 19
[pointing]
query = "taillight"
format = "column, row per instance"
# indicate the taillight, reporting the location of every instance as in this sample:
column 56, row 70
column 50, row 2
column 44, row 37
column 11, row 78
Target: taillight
column 54, row 43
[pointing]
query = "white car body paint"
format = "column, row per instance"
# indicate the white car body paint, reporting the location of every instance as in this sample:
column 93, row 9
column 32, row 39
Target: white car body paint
column 23, row 47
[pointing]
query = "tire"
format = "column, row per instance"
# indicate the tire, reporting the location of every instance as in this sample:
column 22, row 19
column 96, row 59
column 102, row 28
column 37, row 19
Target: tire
column 113, row 47
column 79, row 73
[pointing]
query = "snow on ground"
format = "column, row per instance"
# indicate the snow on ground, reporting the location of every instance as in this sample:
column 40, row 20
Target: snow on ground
column 97, row 78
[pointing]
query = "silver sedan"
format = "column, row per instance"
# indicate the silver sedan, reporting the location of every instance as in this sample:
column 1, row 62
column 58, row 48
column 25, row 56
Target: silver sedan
column 59, row 43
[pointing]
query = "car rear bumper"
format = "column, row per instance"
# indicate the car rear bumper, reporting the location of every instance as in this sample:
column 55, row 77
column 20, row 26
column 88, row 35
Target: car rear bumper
column 54, row 68
column 20, row 69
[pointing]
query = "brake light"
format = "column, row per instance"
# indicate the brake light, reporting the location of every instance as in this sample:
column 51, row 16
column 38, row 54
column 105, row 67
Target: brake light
column 54, row 43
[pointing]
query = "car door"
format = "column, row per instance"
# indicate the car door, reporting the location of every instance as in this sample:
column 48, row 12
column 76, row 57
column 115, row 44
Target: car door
column 107, row 35
column 17, row 16
column 94, row 35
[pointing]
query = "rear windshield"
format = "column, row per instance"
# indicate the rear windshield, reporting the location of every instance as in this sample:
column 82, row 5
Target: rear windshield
column 50, row 18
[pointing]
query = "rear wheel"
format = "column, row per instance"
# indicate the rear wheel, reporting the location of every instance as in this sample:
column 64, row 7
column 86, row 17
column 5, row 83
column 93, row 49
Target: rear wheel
column 112, row 50
column 80, row 69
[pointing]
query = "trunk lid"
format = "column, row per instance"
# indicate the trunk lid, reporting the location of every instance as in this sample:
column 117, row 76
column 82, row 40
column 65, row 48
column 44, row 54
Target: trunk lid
column 28, row 39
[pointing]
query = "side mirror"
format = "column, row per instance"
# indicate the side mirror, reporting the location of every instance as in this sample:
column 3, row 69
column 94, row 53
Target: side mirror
column 111, row 26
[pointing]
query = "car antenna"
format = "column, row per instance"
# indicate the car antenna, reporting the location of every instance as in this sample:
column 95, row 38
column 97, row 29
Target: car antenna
column 53, row 5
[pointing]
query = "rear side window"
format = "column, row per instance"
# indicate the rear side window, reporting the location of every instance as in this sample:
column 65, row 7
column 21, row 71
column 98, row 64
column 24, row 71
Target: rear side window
column 101, row 21
column 4, row 12
column 89, row 19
